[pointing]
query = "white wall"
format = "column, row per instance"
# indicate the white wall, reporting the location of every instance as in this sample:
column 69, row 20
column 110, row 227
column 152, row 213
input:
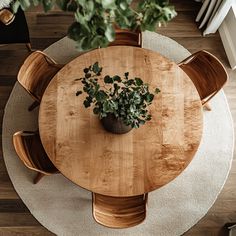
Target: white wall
column 227, row 32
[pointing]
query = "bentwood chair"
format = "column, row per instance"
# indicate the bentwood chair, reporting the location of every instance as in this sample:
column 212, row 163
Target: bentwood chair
column 14, row 28
column 6, row 16
column 35, row 74
column 127, row 38
column 30, row 150
column 119, row 212
column 206, row 72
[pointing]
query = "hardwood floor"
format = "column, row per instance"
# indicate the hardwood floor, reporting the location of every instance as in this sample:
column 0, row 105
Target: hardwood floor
column 15, row 218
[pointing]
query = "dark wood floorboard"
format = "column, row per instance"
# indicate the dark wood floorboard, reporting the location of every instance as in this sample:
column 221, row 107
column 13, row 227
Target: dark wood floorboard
column 15, row 218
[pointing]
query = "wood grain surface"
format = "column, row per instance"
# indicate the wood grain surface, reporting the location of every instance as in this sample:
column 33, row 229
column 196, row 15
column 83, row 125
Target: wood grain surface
column 6, row 16
column 119, row 212
column 207, row 73
column 36, row 72
column 129, row 164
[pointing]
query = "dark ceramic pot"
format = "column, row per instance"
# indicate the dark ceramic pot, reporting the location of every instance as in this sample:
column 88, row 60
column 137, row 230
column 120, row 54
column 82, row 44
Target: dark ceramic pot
column 115, row 125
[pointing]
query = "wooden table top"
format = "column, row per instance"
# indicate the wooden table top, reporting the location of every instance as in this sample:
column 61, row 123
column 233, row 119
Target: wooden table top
column 129, row 164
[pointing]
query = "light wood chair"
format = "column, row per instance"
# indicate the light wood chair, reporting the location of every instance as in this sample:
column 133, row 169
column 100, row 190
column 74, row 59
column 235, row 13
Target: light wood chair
column 127, row 38
column 6, row 16
column 14, row 28
column 119, row 212
column 206, row 72
column 30, row 150
column 35, row 74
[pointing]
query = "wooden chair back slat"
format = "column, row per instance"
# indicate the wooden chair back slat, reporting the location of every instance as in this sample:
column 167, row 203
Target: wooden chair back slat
column 119, row 212
column 36, row 72
column 207, row 73
column 127, row 38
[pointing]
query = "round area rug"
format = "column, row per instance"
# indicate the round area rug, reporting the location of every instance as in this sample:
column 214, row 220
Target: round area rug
column 66, row 209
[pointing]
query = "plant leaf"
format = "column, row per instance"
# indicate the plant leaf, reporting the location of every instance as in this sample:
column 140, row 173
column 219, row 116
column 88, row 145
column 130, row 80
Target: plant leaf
column 96, row 69
column 96, row 110
column 116, row 78
column 109, row 4
column 78, row 93
column 138, row 81
column 100, row 96
column 110, row 33
column 149, row 97
column 108, row 79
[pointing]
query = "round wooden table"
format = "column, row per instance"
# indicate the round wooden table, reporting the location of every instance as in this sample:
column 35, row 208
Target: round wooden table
column 129, row 164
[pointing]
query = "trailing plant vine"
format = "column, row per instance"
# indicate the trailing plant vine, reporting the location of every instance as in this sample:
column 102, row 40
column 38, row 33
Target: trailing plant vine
column 95, row 19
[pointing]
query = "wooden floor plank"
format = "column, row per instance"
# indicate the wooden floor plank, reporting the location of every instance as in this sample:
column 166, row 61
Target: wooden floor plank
column 24, row 231
column 12, row 206
column 9, row 219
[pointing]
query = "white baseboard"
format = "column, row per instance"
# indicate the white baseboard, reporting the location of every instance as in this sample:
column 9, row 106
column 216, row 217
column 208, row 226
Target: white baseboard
column 229, row 40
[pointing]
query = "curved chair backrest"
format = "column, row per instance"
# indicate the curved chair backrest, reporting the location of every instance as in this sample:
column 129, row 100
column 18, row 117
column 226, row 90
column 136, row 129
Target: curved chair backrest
column 6, row 16
column 127, row 38
column 36, row 72
column 207, row 73
column 14, row 28
column 31, row 152
column 119, row 212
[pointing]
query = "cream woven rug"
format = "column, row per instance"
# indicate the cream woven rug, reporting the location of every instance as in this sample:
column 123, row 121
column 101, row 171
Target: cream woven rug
column 65, row 209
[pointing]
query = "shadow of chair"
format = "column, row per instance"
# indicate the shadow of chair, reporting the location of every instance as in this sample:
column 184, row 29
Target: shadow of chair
column 127, row 38
column 30, row 150
column 35, row 74
column 206, row 72
column 15, row 29
column 119, row 212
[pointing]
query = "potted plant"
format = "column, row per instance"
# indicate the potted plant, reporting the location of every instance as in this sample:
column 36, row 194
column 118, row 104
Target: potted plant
column 120, row 102
column 95, row 20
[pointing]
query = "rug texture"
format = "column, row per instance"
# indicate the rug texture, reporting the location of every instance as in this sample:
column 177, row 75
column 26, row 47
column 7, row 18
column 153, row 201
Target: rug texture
column 66, row 209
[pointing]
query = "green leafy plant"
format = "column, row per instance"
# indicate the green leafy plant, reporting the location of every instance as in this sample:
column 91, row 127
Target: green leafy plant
column 95, row 19
column 125, row 98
